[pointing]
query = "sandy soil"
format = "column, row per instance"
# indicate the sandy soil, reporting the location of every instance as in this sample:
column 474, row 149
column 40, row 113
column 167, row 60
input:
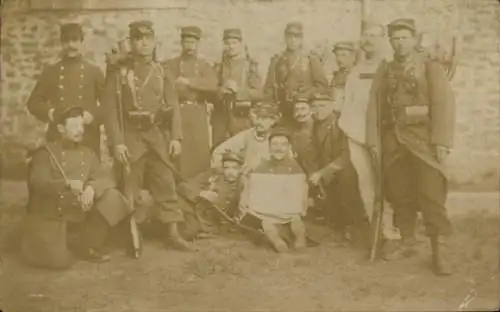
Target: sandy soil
column 235, row 275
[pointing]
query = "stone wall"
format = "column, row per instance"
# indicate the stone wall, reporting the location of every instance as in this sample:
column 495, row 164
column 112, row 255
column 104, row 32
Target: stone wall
column 30, row 38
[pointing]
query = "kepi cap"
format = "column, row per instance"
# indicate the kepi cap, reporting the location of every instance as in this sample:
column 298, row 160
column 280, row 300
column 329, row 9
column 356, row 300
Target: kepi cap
column 64, row 112
column 230, row 155
column 265, row 109
column 279, row 130
column 234, row 33
column 191, row 31
column 344, row 45
column 323, row 96
column 71, row 31
column 295, row 28
column 402, row 23
column 141, row 28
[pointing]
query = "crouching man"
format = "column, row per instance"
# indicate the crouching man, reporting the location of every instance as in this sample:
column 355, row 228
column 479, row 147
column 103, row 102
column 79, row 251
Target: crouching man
column 337, row 177
column 68, row 191
column 275, row 195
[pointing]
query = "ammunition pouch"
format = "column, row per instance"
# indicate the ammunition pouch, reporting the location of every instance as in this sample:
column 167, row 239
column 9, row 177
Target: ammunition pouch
column 241, row 109
column 144, row 120
column 70, row 205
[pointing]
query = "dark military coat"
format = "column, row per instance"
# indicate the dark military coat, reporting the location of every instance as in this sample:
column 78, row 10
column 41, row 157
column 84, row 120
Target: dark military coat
column 195, row 154
column 292, row 73
column 331, row 148
column 155, row 92
column 303, row 147
column 416, row 106
column 69, row 82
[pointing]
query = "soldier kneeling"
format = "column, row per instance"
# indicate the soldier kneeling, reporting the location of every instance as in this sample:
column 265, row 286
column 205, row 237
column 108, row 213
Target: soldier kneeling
column 69, row 190
column 275, row 195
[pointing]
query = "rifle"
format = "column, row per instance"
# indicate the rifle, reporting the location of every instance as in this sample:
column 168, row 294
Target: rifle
column 378, row 204
column 226, row 100
column 125, row 171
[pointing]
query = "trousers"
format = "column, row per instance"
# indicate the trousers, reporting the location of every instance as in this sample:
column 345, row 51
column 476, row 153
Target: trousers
column 412, row 185
column 153, row 174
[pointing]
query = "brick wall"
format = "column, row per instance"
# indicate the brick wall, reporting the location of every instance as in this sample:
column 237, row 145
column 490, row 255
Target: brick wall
column 30, row 38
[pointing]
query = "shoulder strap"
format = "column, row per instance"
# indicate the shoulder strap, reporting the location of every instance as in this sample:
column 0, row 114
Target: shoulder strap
column 54, row 159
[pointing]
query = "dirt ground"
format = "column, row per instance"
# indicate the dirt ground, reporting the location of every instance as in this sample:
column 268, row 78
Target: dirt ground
column 235, row 275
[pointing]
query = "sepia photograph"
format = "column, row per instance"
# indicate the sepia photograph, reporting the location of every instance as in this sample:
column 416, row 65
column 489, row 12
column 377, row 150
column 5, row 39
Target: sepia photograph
column 249, row 155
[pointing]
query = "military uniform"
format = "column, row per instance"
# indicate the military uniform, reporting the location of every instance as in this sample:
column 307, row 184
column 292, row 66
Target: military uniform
column 338, row 177
column 415, row 106
column 52, row 207
column 195, row 156
column 227, row 121
column 291, row 73
column 340, row 75
column 70, row 81
column 146, row 120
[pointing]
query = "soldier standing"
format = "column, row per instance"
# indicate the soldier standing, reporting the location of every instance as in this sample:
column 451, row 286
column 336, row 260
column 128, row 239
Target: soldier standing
column 70, row 81
column 293, row 71
column 195, row 81
column 414, row 103
column 239, row 87
column 346, row 57
column 144, row 127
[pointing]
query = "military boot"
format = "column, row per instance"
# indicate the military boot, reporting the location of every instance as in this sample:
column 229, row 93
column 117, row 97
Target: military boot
column 176, row 240
column 440, row 265
column 401, row 249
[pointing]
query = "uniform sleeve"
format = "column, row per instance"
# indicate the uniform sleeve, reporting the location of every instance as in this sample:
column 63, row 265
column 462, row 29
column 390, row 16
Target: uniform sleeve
column 100, row 178
column 207, row 80
column 341, row 161
column 442, row 105
column 43, row 178
column 319, row 81
column 374, row 103
column 110, row 103
column 38, row 103
column 235, row 143
column 270, row 83
column 172, row 101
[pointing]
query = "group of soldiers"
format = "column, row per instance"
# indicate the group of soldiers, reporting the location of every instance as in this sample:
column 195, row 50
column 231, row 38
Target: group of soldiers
column 378, row 129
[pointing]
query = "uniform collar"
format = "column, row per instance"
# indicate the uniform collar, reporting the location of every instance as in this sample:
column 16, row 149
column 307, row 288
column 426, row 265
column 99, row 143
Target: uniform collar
column 140, row 59
column 68, row 60
column 68, row 145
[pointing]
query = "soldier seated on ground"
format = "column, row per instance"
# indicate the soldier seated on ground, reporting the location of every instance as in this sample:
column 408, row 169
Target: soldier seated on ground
column 69, row 190
column 275, row 195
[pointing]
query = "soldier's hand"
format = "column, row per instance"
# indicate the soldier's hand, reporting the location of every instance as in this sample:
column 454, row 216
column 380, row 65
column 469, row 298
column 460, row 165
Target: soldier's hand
column 315, row 178
column 87, row 118
column 121, row 154
column 76, row 186
column 211, row 196
column 442, row 153
column 175, row 148
column 51, row 114
column 87, row 198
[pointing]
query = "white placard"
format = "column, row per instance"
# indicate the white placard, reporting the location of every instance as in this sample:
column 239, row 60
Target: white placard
column 277, row 194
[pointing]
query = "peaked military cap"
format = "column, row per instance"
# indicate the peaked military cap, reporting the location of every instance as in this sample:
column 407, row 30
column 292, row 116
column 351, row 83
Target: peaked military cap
column 71, row 31
column 141, row 28
column 302, row 98
column 265, row 109
column 404, row 23
column 279, row 130
column 65, row 112
column 191, row 31
column 234, row 33
column 230, row 155
column 294, row 28
column 344, row 45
